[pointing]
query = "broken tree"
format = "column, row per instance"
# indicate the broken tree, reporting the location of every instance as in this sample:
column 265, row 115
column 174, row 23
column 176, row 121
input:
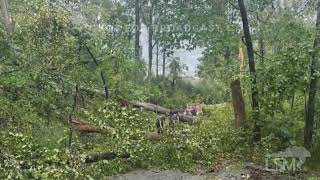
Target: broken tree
column 87, row 127
column 238, row 103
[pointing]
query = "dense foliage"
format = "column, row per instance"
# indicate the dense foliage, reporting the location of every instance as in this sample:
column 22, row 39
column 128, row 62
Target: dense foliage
column 78, row 59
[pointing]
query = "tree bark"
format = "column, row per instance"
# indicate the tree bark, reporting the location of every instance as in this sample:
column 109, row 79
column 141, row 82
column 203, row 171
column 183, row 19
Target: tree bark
column 72, row 114
column 161, row 110
column 137, row 29
column 7, row 21
column 252, row 68
column 310, row 109
column 87, row 127
column 150, row 107
column 261, row 47
column 238, row 103
column 164, row 62
column 157, row 61
column 150, row 37
column 185, row 118
column 103, row 78
column 292, row 101
column 260, row 40
column 105, row 85
column 117, row 72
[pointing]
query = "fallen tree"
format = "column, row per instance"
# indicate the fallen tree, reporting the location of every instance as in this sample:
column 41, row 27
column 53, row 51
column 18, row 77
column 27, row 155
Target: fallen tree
column 150, row 107
column 161, row 110
column 87, row 127
column 185, row 118
column 104, row 156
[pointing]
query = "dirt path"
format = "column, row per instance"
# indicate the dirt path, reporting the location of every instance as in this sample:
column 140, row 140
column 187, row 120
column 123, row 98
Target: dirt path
column 153, row 175
column 175, row 175
column 250, row 172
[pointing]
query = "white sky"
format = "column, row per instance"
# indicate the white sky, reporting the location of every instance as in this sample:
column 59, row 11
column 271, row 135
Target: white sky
column 190, row 58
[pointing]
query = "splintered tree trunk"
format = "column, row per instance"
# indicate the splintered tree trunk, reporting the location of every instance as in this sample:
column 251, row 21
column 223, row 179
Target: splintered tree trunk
column 310, row 108
column 238, row 103
column 137, row 29
column 252, row 68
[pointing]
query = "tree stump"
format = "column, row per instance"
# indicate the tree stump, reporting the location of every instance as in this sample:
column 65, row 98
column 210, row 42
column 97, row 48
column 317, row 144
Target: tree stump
column 238, row 103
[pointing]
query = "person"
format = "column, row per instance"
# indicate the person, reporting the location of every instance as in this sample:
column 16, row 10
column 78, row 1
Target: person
column 188, row 110
column 156, row 135
column 173, row 117
column 160, row 122
column 193, row 110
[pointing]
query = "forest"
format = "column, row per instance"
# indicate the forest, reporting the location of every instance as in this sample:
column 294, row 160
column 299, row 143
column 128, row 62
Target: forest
column 160, row 89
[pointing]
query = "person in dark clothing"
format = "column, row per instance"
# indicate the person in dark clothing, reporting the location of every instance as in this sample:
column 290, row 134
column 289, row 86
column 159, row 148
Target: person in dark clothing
column 160, row 122
column 156, row 135
column 173, row 117
column 194, row 110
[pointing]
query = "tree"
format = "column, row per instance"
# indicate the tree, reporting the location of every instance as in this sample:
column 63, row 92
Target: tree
column 150, row 38
column 137, row 29
column 252, row 68
column 157, row 60
column 314, row 68
column 238, row 103
column 176, row 68
column 164, row 55
column 7, row 21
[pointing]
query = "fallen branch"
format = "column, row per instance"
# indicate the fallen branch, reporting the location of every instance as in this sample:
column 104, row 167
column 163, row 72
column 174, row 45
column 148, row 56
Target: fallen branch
column 162, row 110
column 150, row 107
column 104, row 156
column 87, row 127
column 185, row 118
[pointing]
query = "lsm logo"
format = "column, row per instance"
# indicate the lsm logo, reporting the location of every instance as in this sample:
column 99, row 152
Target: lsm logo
column 292, row 159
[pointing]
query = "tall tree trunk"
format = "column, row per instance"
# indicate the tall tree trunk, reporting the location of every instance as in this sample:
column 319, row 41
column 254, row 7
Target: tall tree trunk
column 164, row 62
column 252, row 68
column 157, row 61
column 310, row 111
column 117, row 72
column 260, row 39
column 174, row 78
column 150, row 37
column 72, row 114
column 105, row 85
column 261, row 47
column 7, row 21
column 103, row 78
column 137, row 29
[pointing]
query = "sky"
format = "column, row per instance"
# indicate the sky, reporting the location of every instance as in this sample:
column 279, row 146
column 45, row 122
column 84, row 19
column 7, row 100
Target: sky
column 190, row 58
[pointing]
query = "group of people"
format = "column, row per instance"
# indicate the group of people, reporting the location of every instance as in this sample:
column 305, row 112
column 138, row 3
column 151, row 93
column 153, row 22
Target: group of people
column 192, row 110
column 173, row 116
